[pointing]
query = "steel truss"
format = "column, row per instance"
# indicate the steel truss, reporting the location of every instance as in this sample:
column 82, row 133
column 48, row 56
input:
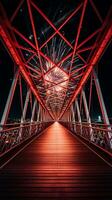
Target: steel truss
column 81, row 122
column 56, row 69
column 51, row 83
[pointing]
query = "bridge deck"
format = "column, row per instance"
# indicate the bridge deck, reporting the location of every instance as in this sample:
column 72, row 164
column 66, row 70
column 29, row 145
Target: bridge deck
column 56, row 166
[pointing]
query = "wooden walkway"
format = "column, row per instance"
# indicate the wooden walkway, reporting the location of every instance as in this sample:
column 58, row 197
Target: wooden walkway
column 56, row 166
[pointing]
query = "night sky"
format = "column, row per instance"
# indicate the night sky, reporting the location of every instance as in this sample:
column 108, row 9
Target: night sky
column 55, row 10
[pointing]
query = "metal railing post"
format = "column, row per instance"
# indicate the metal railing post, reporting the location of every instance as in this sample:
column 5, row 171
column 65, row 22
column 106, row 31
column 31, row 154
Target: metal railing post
column 87, row 114
column 102, row 106
column 79, row 115
column 9, row 99
column 24, row 112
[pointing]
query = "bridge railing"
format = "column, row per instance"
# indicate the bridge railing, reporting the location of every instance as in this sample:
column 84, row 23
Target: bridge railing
column 98, row 134
column 12, row 135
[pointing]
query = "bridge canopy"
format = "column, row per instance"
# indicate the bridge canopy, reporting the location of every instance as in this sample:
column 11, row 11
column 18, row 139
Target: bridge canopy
column 55, row 46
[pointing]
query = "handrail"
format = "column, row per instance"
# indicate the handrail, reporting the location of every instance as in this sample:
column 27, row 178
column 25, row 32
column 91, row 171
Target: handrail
column 12, row 137
column 94, row 127
column 96, row 133
column 19, row 124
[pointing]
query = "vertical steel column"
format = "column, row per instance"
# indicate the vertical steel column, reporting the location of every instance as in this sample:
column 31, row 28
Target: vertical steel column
column 25, row 106
column 24, row 113
column 43, row 115
column 86, row 107
column 38, row 114
column 78, row 111
column 87, row 115
column 46, row 118
column 42, row 111
column 100, row 98
column 70, row 119
column 79, row 116
column 33, row 114
column 69, row 115
column 33, row 110
column 39, row 117
column 73, row 114
column 102, row 106
column 9, row 99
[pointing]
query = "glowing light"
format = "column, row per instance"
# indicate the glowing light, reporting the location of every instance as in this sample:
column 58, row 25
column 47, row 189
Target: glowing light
column 56, row 78
column 30, row 37
column 99, row 118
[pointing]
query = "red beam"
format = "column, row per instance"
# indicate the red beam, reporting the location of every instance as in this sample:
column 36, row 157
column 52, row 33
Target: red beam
column 24, row 48
column 40, row 52
column 68, row 18
column 96, row 56
column 83, row 60
column 51, row 24
column 86, row 49
column 79, row 69
column 59, row 63
column 18, row 61
column 89, row 38
column 55, row 84
column 16, row 11
column 78, row 33
column 34, row 34
column 33, row 69
column 96, row 11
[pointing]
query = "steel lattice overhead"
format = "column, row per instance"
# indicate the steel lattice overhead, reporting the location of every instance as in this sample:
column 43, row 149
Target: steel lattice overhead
column 55, row 51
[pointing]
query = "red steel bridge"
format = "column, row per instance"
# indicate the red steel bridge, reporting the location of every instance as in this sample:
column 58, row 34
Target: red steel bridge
column 51, row 146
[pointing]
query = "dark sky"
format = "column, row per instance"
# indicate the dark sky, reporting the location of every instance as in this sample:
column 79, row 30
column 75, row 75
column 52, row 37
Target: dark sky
column 55, row 10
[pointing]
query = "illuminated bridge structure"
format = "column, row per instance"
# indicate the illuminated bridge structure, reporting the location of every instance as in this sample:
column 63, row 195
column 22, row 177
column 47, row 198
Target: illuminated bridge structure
column 51, row 146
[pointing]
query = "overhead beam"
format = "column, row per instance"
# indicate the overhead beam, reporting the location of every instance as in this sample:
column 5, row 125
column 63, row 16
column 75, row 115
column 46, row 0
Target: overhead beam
column 6, row 38
column 106, row 37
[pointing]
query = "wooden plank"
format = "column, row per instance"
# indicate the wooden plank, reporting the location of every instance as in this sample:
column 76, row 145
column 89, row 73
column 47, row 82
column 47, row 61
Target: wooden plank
column 56, row 166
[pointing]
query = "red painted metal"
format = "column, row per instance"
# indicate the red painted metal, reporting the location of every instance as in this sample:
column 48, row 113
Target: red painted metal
column 90, row 93
column 16, row 11
column 89, row 37
column 63, row 24
column 76, row 75
column 96, row 11
column 18, row 61
column 104, row 41
column 34, row 33
column 78, row 33
column 51, row 24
